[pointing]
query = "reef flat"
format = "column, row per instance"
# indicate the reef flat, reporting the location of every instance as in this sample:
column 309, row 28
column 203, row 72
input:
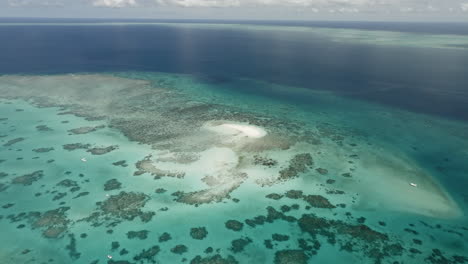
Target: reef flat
column 146, row 168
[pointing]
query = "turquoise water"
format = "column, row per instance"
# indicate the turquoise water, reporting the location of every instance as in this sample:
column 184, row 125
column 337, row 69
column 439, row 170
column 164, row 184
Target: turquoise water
column 328, row 183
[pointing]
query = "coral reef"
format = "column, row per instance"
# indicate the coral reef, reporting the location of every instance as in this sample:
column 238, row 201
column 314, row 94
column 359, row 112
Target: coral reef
column 28, row 179
column 102, row 150
column 85, row 130
column 13, row 141
column 142, row 234
column 290, row 256
column 198, row 233
column 300, row 163
column 124, row 206
column 216, row 259
column 234, row 225
column 112, row 184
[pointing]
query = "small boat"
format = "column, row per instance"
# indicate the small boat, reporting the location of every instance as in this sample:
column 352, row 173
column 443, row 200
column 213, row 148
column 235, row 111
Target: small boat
column 83, row 159
column 413, row 184
column 109, row 256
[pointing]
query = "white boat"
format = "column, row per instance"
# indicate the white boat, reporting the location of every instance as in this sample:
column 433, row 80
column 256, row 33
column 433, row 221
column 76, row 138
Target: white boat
column 109, row 256
column 83, row 159
column 413, row 184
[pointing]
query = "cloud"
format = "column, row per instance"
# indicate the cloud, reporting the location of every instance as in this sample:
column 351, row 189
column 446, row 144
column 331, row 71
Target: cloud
column 21, row 3
column 464, row 7
column 347, row 4
column 114, row 3
column 200, row 3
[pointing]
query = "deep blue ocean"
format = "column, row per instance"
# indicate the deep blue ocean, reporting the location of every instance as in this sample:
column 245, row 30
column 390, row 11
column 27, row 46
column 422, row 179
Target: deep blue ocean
column 426, row 80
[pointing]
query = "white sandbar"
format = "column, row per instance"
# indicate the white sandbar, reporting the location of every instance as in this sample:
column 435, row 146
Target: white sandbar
column 234, row 129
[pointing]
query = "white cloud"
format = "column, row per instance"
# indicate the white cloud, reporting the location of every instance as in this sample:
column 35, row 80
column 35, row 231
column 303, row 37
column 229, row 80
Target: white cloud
column 21, row 3
column 114, row 3
column 200, row 3
column 464, row 7
column 236, row 3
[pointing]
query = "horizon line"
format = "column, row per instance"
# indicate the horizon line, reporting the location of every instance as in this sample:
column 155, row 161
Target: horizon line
column 236, row 20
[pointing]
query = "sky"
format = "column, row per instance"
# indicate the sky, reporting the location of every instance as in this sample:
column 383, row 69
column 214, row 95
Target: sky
column 380, row 10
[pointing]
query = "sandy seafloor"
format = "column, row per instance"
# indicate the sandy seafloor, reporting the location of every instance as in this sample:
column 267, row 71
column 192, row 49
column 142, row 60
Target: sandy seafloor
column 164, row 181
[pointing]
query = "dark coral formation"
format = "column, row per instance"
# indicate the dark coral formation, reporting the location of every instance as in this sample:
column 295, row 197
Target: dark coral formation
column 371, row 243
column 274, row 196
column 164, row 237
column 54, row 222
column 280, row 237
column 259, row 160
column 112, row 184
column 322, row 171
column 67, row 183
column 142, row 234
column 148, row 255
column 215, row 194
column 234, row 225
column 317, row 201
column 102, row 150
column 238, row 245
column 43, row 150
column 74, row 146
column 300, row 163
column 198, row 233
column 28, row 179
column 272, row 215
column 160, row 190
column 13, row 141
column 119, row 207
column 438, row 257
column 122, row 163
column 85, row 130
column 179, row 249
column 81, row 194
column 146, row 165
column 290, row 257
column 216, row 259
column 72, row 252
column 43, row 128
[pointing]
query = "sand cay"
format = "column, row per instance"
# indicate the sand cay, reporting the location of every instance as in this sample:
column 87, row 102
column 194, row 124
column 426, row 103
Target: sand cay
column 235, row 129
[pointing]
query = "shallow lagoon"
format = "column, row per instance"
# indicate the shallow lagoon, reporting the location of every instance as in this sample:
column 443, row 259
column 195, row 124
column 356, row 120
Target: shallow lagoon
column 328, row 183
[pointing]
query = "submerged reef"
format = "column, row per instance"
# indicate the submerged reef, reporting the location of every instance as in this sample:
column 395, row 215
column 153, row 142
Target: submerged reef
column 75, row 146
column 146, row 165
column 316, row 201
column 102, row 150
column 13, row 141
column 53, row 223
column 28, row 179
column 224, row 185
column 124, row 206
column 198, row 233
column 85, row 130
column 291, row 256
column 43, row 128
column 43, row 150
column 142, row 234
column 112, row 184
column 216, row 259
column 300, row 163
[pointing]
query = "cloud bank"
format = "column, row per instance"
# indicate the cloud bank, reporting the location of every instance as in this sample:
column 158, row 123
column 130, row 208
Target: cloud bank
column 114, row 3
